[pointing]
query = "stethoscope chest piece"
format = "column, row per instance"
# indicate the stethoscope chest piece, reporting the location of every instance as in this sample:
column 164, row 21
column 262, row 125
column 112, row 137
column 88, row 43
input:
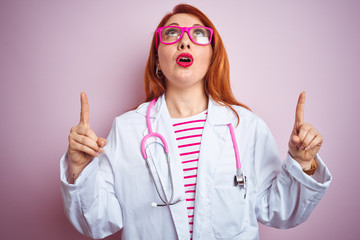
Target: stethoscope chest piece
column 240, row 180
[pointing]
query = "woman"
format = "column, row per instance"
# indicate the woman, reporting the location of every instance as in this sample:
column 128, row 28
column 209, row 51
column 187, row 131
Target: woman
column 206, row 192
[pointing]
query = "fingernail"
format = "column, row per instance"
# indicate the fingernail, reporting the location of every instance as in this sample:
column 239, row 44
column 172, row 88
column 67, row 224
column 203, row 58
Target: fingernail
column 302, row 147
column 101, row 150
column 307, row 148
column 97, row 154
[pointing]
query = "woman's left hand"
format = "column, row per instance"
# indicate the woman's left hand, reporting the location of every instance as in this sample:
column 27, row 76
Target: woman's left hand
column 305, row 141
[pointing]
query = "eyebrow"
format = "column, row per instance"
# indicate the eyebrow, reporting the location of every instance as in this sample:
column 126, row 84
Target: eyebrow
column 176, row 24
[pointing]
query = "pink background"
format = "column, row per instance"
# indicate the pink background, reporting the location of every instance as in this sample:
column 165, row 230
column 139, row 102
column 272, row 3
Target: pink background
column 52, row 50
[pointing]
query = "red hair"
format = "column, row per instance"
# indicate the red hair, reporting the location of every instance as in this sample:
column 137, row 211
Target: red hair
column 217, row 79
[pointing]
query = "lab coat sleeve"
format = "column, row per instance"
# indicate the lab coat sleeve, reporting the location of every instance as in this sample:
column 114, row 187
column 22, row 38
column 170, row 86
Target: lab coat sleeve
column 90, row 203
column 286, row 195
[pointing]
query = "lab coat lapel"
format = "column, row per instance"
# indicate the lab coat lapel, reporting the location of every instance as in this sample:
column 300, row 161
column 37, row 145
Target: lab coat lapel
column 161, row 123
column 212, row 143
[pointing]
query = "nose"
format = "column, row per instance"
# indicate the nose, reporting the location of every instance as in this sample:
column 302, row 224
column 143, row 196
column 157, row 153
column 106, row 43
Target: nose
column 184, row 42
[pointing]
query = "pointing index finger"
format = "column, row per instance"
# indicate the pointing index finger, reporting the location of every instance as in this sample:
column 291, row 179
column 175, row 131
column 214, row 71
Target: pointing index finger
column 84, row 114
column 299, row 115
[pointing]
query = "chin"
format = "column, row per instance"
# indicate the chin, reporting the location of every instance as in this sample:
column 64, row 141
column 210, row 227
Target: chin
column 186, row 82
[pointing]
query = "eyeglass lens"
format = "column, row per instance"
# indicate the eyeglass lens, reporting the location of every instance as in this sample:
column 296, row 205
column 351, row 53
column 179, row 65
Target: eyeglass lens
column 198, row 35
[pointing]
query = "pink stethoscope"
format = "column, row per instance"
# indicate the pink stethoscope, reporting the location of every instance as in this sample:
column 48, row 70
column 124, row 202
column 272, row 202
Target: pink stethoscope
column 239, row 179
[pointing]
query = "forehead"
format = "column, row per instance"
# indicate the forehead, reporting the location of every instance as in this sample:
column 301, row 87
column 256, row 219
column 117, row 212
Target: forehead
column 184, row 20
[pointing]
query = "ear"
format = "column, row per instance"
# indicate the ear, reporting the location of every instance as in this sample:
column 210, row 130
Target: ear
column 157, row 63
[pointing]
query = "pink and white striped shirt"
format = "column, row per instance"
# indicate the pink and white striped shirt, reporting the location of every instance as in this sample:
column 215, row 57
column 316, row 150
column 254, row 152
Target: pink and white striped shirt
column 188, row 133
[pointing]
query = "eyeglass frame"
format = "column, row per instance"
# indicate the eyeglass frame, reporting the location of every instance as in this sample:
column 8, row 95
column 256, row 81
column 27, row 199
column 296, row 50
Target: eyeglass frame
column 183, row 30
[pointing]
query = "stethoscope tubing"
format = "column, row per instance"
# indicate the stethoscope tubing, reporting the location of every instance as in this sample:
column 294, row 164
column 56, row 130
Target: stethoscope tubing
column 240, row 178
column 166, row 151
column 151, row 133
column 233, row 138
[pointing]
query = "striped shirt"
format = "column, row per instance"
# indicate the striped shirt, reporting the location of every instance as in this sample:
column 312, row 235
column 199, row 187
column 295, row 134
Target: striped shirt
column 188, row 133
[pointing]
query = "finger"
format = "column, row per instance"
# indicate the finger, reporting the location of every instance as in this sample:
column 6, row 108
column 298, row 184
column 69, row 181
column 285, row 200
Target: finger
column 101, row 142
column 86, row 141
column 82, row 148
column 299, row 115
column 311, row 134
column 81, row 130
column 302, row 132
column 315, row 144
column 84, row 114
column 295, row 141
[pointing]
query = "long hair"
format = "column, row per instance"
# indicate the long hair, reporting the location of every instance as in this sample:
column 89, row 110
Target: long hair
column 217, row 79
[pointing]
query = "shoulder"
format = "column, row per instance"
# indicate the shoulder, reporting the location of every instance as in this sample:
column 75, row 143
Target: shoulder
column 234, row 114
column 248, row 116
column 251, row 122
column 132, row 116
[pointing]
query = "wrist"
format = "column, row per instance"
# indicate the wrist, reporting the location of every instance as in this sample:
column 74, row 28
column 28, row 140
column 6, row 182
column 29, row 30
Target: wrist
column 312, row 168
column 74, row 170
column 308, row 167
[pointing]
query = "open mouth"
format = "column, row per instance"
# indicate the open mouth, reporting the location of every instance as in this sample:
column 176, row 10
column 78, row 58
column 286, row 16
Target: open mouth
column 185, row 60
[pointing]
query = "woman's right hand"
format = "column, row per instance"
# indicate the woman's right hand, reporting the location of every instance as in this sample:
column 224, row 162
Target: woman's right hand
column 84, row 145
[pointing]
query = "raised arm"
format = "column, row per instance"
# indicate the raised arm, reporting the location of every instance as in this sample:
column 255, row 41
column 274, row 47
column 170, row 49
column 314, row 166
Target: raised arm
column 84, row 145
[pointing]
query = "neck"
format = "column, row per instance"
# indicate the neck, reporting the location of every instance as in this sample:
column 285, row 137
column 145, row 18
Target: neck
column 186, row 103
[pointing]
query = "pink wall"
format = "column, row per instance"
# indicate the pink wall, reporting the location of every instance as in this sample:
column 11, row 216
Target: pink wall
column 49, row 52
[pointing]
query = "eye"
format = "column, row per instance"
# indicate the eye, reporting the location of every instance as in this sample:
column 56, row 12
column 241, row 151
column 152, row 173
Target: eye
column 172, row 32
column 199, row 32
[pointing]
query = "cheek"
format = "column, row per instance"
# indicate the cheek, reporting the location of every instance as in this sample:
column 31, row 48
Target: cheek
column 205, row 58
column 165, row 56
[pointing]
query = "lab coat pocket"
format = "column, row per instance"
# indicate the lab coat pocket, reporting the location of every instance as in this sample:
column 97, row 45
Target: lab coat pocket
column 228, row 212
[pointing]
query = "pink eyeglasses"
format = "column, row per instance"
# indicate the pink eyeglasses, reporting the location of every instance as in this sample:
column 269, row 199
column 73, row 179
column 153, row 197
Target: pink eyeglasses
column 172, row 34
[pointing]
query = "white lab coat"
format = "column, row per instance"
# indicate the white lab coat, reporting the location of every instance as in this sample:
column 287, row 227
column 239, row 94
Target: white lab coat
column 115, row 191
